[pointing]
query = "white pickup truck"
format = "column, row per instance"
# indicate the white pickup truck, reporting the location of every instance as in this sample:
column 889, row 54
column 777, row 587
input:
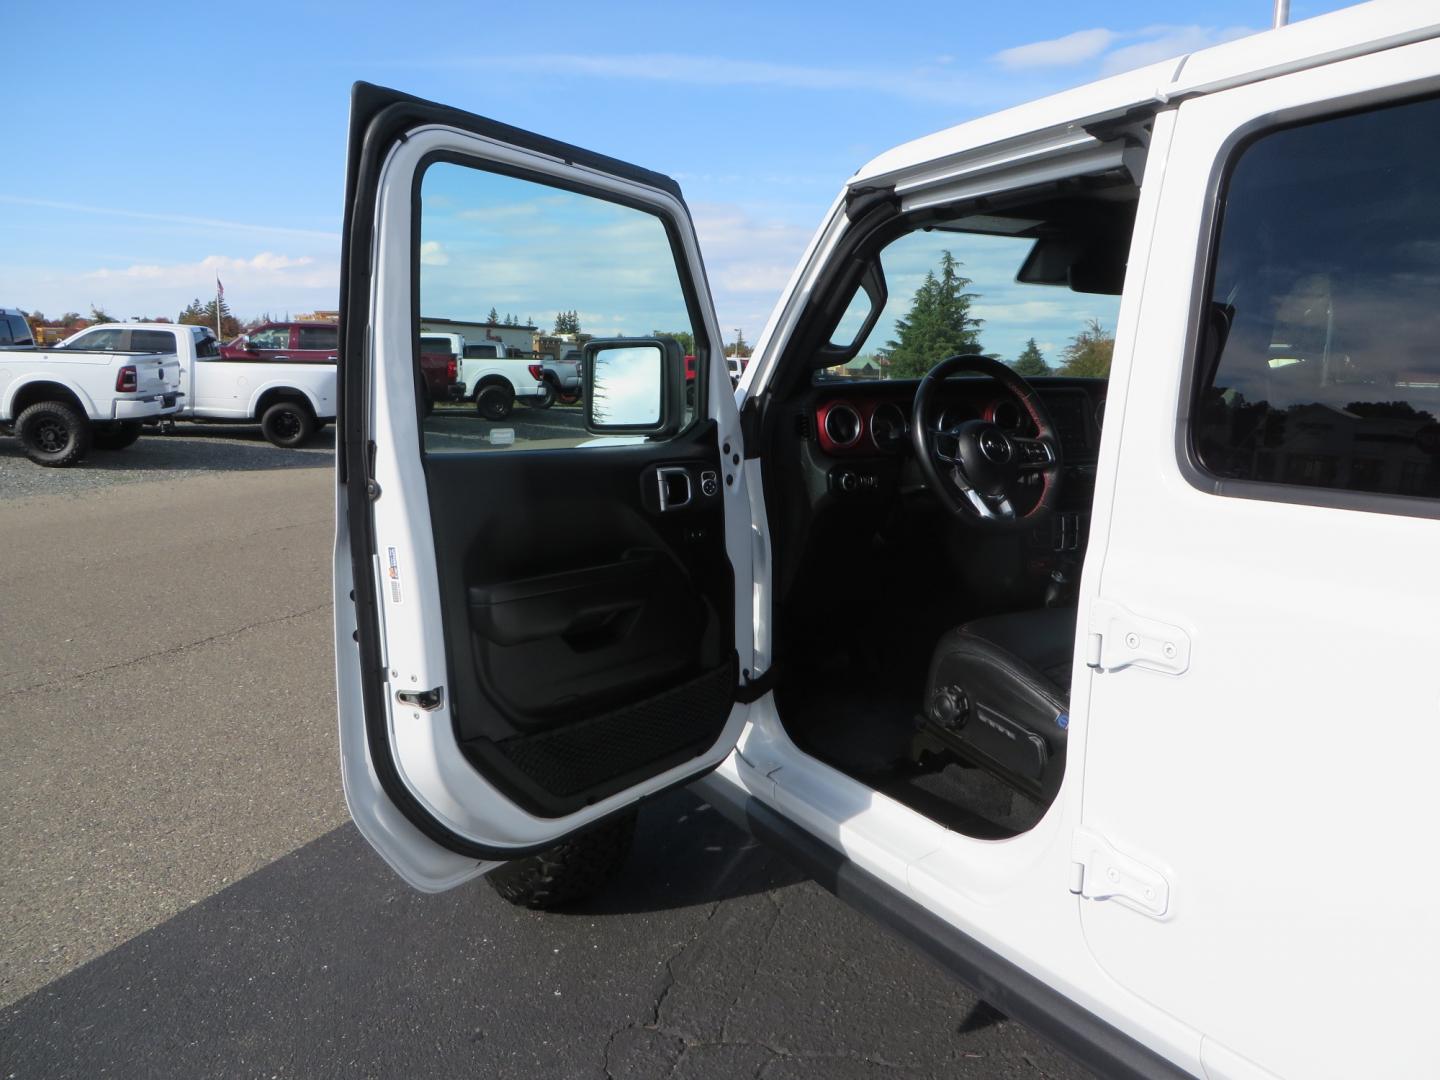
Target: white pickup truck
column 62, row 402
column 290, row 401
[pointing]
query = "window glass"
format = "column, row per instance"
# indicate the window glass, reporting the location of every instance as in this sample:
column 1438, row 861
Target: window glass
column 275, row 337
column 206, row 347
column 1319, row 364
column 20, row 330
column 319, row 337
column 518, row 264
column 95, row 339
column 152, row 341
column 956, row 292
column 7, row 336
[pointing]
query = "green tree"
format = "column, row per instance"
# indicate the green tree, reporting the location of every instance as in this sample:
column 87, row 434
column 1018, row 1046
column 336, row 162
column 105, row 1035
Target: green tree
column 1089, row 352
column 567, row 322
column 1031, row 360
column 938, row 324
column 493, row 318
column 202, row 313
column 684, row 337
column 99, row 315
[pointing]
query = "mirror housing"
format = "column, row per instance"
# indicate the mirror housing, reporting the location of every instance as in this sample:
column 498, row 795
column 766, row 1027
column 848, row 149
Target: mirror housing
column 634, row 386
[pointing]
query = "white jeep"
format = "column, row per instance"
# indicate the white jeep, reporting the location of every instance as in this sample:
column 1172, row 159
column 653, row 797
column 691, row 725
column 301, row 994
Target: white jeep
column 1084, row 682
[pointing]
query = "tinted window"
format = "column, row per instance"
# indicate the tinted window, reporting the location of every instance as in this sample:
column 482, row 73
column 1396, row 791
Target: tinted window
column 152, row 341
column 6, row 335
column 20, row 330
column 1320, row 361
column 435, row 345
column 95, row 339
column 276, row 337
column 206, row 346
column 319, row 337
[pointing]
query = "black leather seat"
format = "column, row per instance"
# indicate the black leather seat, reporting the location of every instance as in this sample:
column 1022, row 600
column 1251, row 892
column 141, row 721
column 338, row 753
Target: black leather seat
column 999, row 694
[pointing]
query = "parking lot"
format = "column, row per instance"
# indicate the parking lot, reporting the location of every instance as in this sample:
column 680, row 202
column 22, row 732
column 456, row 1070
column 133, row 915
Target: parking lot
column 184, row 895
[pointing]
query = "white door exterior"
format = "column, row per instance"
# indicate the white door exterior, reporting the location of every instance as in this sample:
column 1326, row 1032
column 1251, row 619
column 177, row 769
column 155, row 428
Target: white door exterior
column 1261, row 797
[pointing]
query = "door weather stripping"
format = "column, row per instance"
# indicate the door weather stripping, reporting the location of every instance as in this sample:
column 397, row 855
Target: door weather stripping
column 428, row 700
column 1099, row 872
column 1119, row 638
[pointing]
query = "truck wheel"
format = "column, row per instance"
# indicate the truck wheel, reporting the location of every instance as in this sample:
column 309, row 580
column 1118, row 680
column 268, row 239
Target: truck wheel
column 117, row 436
column 572, row 870
column 287, row 423
column 53, row 434
column 545, row 398
column 569, row 397
column 495, row 401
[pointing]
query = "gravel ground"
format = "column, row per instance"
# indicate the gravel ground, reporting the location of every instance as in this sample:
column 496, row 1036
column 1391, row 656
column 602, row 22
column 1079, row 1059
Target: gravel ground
column 192, row 449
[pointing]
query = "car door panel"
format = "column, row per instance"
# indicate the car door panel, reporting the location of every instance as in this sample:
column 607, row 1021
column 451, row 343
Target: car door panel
column 540, row 642
column 573, row 605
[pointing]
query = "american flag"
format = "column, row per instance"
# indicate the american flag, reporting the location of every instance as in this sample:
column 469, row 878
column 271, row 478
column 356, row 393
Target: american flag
column 219, row 289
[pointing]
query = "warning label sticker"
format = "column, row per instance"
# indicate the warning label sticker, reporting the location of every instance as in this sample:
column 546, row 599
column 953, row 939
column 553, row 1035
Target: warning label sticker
column 393, row 573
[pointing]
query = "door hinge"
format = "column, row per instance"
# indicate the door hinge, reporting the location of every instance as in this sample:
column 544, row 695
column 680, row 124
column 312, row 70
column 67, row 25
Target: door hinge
column 428, row 700
column 1118, row 638
column 1099, row 872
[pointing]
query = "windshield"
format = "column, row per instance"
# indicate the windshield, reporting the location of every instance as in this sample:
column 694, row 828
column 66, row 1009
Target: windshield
column 954, row 292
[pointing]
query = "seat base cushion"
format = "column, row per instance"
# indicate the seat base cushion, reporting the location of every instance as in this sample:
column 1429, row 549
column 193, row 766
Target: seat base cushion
column 998, row 696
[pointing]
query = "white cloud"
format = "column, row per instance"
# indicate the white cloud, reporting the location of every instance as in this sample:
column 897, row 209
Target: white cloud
column 169, row 219
column 925, row 82
column 432, row 253
column 1064, row 51
column 267, row 281
column 1116, row 50
column 1164, row 42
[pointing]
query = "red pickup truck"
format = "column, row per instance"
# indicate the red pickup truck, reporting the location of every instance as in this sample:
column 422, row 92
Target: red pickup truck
column 315, row 342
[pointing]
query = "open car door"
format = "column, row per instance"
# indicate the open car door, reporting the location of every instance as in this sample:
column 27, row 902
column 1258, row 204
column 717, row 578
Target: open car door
column 542, row 611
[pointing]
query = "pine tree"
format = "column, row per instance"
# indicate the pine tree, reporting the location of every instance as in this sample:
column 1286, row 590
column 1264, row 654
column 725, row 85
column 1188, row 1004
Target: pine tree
column 493, row 318
column 1089, row 352
column 938, row 324
column 202, row 313
column 1031, row 360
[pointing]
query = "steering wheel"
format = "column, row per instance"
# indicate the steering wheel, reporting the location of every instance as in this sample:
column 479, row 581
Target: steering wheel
column 976, row 467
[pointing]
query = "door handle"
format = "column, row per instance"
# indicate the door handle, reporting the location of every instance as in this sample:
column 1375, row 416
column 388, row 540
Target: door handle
column 675, row 487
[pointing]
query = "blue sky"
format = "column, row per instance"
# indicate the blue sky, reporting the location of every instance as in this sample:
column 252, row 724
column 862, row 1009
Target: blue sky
column 149, row 147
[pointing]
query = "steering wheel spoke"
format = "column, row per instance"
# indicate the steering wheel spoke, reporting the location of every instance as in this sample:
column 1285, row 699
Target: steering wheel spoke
column 946, row 445
column 1034, row 455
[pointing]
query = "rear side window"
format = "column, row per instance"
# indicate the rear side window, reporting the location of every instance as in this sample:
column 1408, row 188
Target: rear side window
column 206, row 347
column 152, row 341
column 20, row 331
column 275, row 337
column 97, row 339
column 319, row 337
column 1319, row 360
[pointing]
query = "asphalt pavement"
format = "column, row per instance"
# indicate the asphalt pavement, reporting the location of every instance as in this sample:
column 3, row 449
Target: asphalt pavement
column 183, row 894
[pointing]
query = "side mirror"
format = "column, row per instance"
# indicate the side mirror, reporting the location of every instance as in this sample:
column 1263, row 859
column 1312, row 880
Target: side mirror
column 634, row 386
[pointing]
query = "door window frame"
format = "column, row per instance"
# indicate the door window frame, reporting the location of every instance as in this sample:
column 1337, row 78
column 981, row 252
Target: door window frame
column 704, row 351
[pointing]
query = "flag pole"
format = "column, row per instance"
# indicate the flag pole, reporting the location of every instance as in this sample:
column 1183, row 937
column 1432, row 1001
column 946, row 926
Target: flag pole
column 219, row 295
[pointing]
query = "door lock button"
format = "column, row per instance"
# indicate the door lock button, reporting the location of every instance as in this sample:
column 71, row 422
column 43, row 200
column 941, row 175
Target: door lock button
column 709, row 483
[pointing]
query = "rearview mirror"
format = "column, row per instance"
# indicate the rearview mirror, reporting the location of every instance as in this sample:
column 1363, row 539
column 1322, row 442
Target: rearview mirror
column 634, row 386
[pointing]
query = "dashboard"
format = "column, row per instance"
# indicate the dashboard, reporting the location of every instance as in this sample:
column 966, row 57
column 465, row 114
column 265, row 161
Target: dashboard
column 873, row 419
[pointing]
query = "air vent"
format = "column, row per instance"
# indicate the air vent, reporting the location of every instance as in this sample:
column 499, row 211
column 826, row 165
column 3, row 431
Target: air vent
column 802, row 425
column 843, row 425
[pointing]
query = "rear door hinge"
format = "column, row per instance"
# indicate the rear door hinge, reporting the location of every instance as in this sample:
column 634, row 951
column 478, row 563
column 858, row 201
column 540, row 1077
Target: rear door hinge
column 1118, row 638
column 1099, row 872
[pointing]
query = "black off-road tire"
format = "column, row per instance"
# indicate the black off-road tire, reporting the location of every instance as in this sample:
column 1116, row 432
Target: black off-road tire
column 287, row 424
column 117, row 436
column 571, row 871
column 54, row 434
column 495, row 401
column 545, row 398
